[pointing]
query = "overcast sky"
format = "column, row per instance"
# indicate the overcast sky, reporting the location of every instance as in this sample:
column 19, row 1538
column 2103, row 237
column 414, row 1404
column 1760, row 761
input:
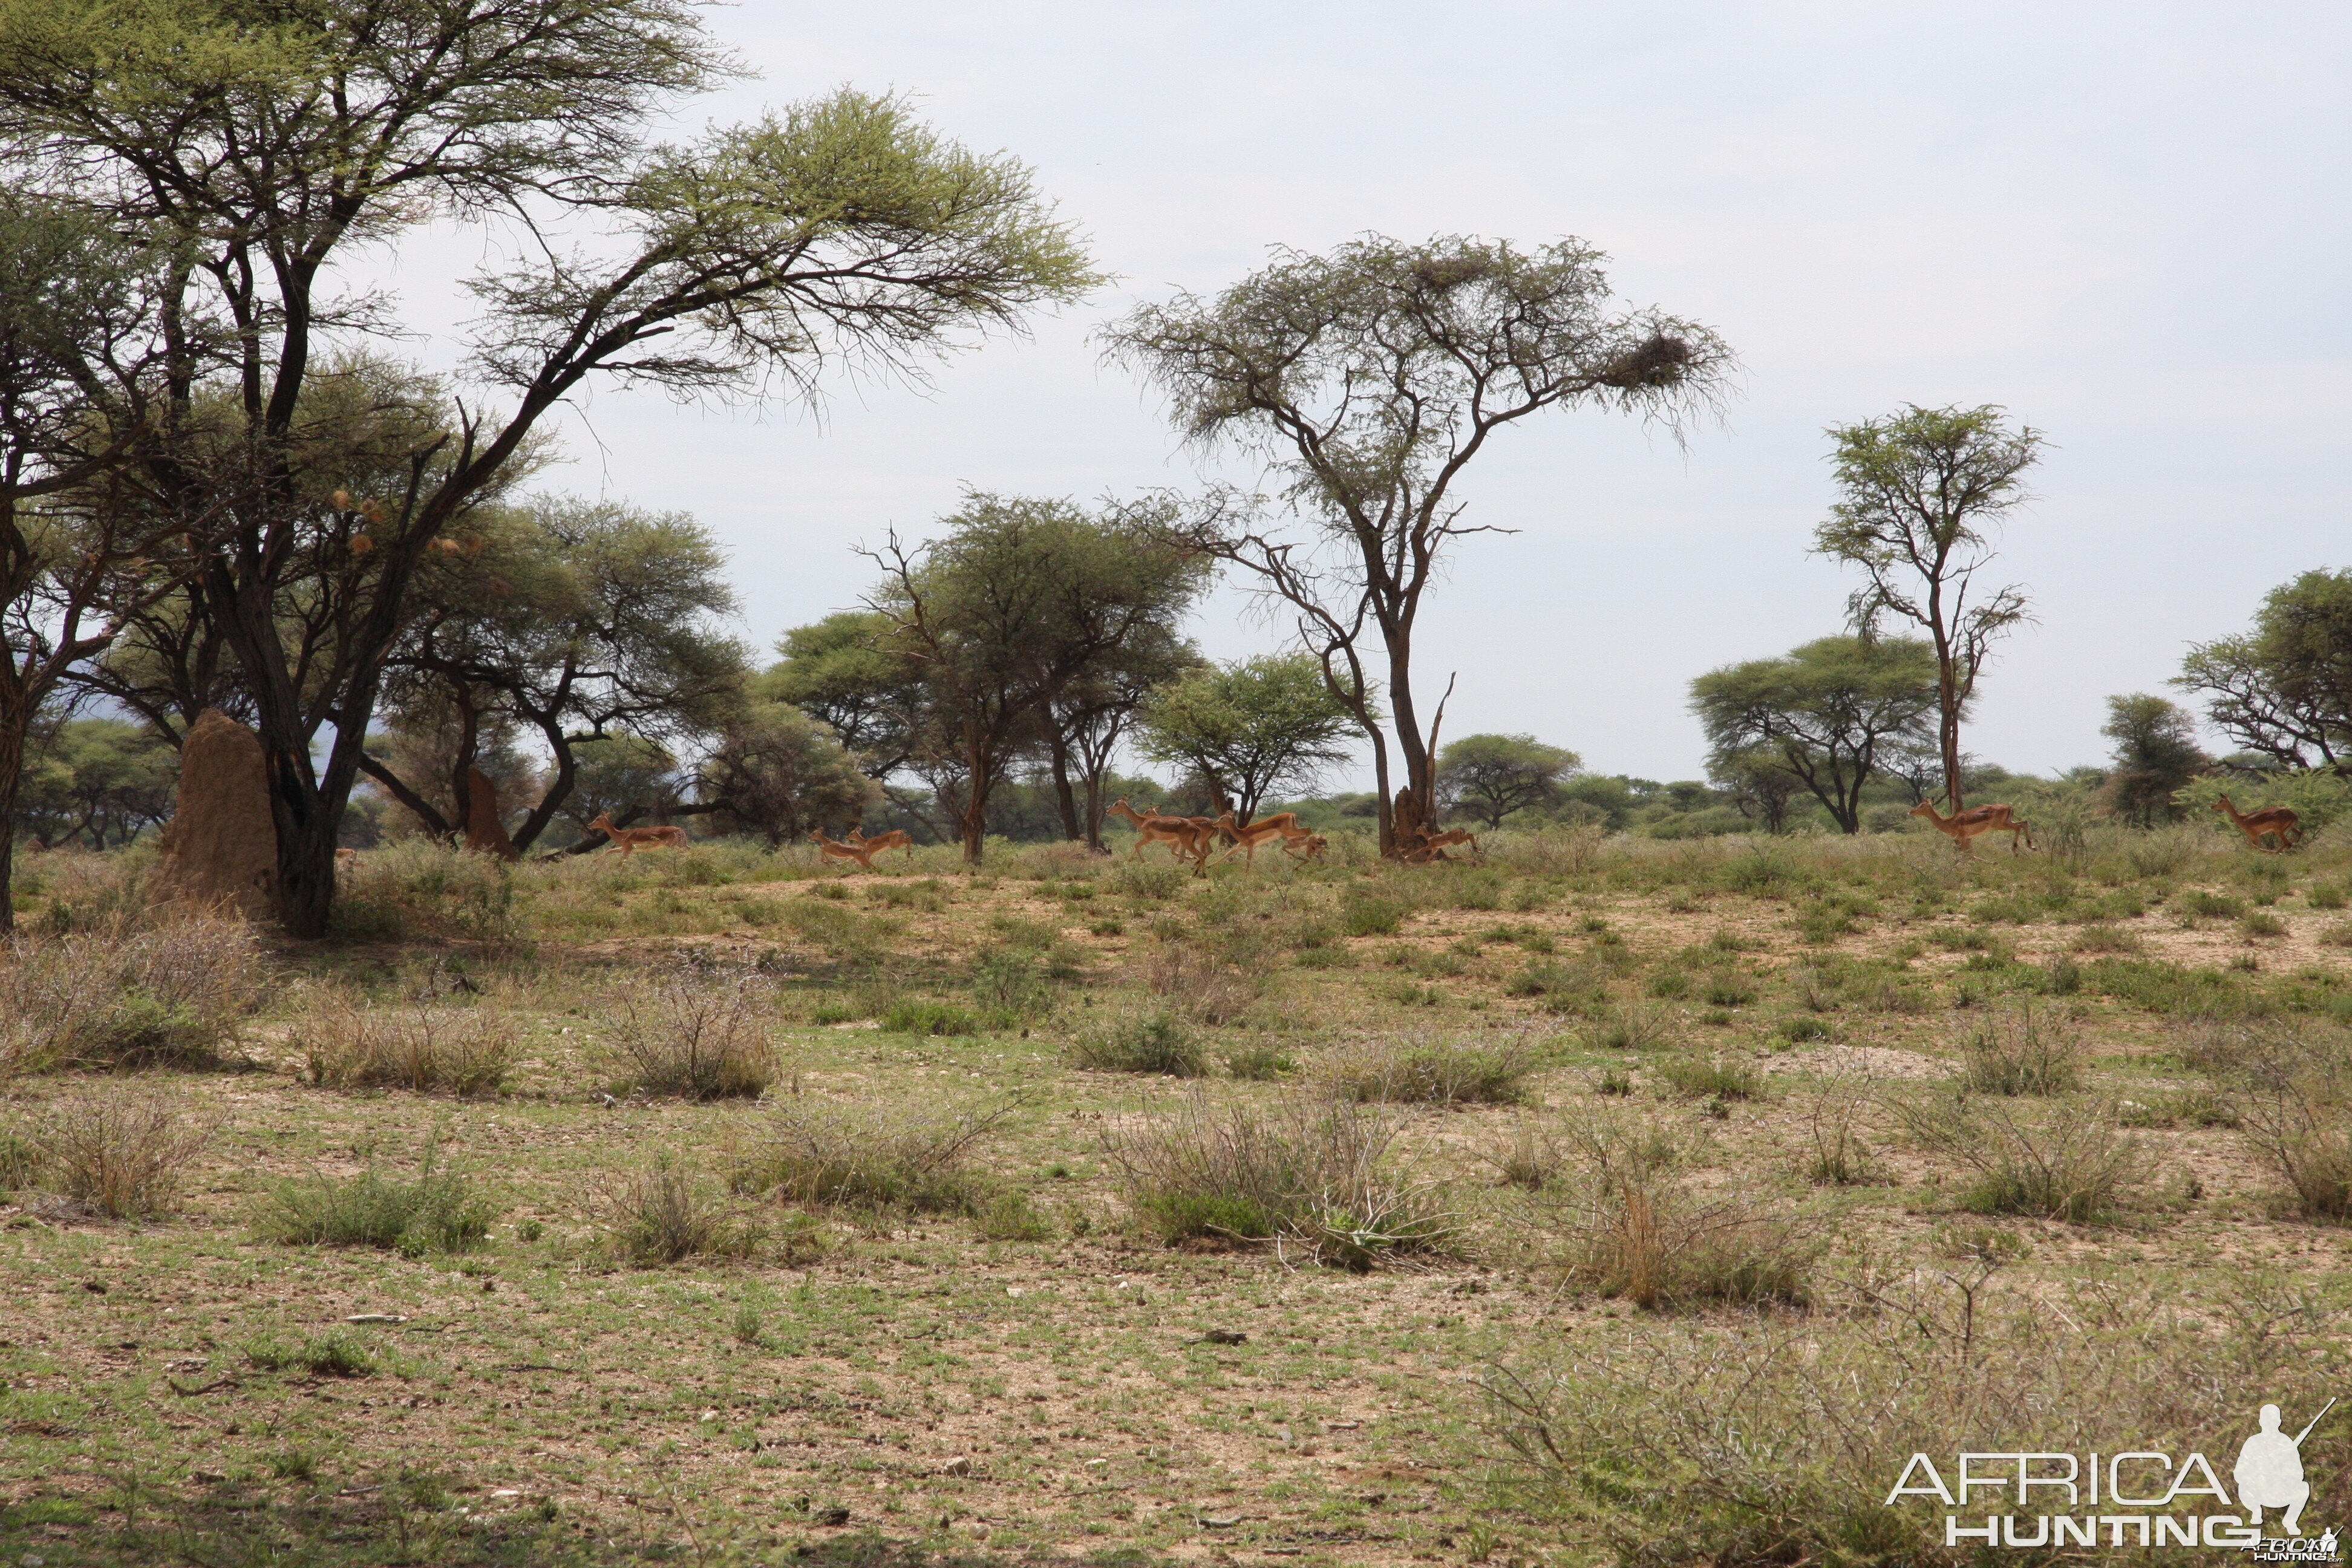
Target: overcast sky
column 2127, row 224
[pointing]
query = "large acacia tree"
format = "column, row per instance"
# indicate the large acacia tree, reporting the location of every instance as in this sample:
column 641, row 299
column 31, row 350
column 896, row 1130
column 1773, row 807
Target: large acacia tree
column 1918, row 492
column 2282, row 689
column 269, row 139
column 1368, row 380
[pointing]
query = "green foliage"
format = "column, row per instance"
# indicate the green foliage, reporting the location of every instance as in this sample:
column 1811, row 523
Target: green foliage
column 1370, row 914
column 1711, row 1077
column 2284, row 689
column 1488, row 777
column 2156, row 755
column 1255, row 728
column 2023, row 1052
column 868, row 1160
column 1146, row 1043
column 335, row 1354
column 102, row 780
column 1828, row 715
column 436, row 1212
column 782, row 775
column 911, row 1016
column 1430, row 1070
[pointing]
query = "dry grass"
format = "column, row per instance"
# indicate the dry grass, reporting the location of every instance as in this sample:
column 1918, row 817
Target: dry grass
column 2295, row 1107
column 2022, row 1052
column 866, row 1158
column 1430, row 1070
column 427, row 1051
column 118, row 1154
column 697, row 1036
column 1143, row 1043
column 126, row 995
column 1298, row 1171
column 2069, row 1161
column 1198, row 984
column 437, row 1212
column 667, row 1213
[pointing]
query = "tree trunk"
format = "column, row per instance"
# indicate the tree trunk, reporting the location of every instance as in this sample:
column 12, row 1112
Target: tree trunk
column 14, row 727
column 975, row 804
column 1094, row 809
column 1064, row 796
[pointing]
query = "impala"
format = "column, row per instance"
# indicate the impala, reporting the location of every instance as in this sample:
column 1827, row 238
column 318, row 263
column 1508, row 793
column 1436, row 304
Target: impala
column 632, row 839
column 2275, row 820
column 1963, row 826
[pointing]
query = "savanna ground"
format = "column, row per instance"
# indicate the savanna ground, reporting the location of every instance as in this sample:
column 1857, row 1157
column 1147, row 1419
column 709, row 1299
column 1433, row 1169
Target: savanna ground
column 1607, row 1200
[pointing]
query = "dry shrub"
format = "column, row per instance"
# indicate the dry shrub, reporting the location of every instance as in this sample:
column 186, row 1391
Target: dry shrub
column 700, row 1036
column 1477, row 1070
column 1548, row 851
column 1145, row 1043
column 126, row 996
column 116, row 1154
column 2069, row 1161
column 1625, row 1225
column 667, row 1213
column 1303, row 1171
column 1200, row 985
column 2021, row 1052
column 2294, row 1104
column 1840, row 1157
column 868, row 1158
column 1747, row 1444
column 423, row 887
column 1530, row 1155
column 452, row 1050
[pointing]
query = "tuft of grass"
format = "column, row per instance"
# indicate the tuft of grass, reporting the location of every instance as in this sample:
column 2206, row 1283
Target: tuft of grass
column 1260, row 1064
column 1303, row 1171
column 1009, row 1216
column 697, row 1036
column 665, row 1214
column 869, row 1160
column 1370, row 914
column 459, row 1051
column 910, row 1016
column 119, row 1155
column 336, row 1354
column 1144, row 1043
column 2021, row 1052
column 2295, row 1107
column 2105, row 939
column 1712, row 1077
column 2197, row 904
column 436, row 1212
column 2261, row 924
column 1629, row 1026
column 1430, row 1070
column 1201, row 986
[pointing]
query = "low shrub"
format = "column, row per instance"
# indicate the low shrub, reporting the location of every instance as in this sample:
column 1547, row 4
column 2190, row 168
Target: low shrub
column 1370, row 914
column 125, row 996
column 2021, row 1052
column 1011, row 1216
column 700, row 1037
column 2197, row 904
column 1260, row 1064
column 2261, row 924
column 1303, row 1171
column 1140, row 880
column 1623, row 1224
column 1198, row 984
column 117, row 1154
column 1478, row 1070
column 1802, row 1427
column 1711, row 1077
column 910, row 1016
column 865, row 1159
column 336, row 1354
column 1631, row 1027
column 1839, row 1156
column 666, row 1214
column 450, row 1050
column 2070, row 1162
column 2295, row 1106
column 1145, row 1043
column 423, row 887
column 436, row 1212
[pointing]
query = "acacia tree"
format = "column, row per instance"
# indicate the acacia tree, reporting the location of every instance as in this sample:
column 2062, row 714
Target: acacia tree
column 1827, row 712
column 2156, row 753
column 1252, row 729
column 1490, row 777
column 1016, row 603
column 2283, row 689
column 777, row 773
column 577, row 620
column 271, row 138
column 1368, row 380
column 1085, row 724
column 1917, row 491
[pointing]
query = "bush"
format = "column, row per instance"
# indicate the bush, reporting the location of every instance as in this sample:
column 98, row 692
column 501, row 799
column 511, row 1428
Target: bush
column 2069, row 1164
column 1200, row 985
column 665, row 1214
column 1010, row 1216
column 908, row 1016
column 1711, row 1077
column 421, row 887
column 1742, row 1443
column 1370, row 914
column 1146, row 1043
column 1141, row 880
column 119, row 1155
column 437, row 1212
column 1260, row 1064
column 866, row 1159
column 1624, row 1227
column 1301, row 1171
column 119, row 996
column 2021, row 1053
column 1428, row 1069
column 1007, row 984
column 1629, row 1026
column 337, row 1354
column 700, row 1037
column 2296, row 1109
column 460, row 1051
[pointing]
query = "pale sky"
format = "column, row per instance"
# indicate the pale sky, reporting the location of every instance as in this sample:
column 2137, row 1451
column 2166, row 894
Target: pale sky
column 2126, row 223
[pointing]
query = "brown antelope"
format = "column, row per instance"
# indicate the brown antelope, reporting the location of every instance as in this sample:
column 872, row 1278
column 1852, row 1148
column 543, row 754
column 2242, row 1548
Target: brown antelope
column 1432, row 845
column 1962, row 828
column 897, row 838
column 2275, row 820
column 632, row 839
column 1246, row 840
column 1309, row 848
column 1186, row 837
column 857, row 849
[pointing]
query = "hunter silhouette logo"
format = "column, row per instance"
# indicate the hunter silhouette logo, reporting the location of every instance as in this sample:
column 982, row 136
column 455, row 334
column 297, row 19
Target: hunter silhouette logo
column 2137, row 1497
